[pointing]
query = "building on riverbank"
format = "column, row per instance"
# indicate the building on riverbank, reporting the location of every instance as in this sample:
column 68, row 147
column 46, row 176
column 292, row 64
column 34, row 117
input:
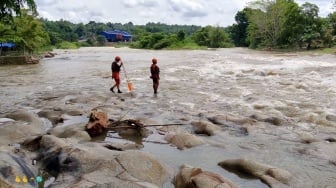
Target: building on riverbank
column 117, row 36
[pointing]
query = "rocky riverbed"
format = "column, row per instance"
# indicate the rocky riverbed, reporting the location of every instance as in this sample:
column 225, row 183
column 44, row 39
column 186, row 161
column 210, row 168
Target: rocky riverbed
column 245, row 119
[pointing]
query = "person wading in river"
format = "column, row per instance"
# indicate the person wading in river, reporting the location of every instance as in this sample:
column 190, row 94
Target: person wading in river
column 115, row 73
column 155, row 75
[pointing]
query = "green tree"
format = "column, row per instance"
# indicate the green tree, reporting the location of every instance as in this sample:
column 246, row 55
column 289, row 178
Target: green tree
column 259, row 28
column 313, row 24
column 6, row 33
column 282, row 24
column 80, row 30
column 213, row 37
column 332, row 22
column 327, row 33
column 10, row 7
column 201, row 37
column 238, row 31
column 31, row 33
column 292, row 24
column 101, row 40
column 219, row 38
column 181, row 35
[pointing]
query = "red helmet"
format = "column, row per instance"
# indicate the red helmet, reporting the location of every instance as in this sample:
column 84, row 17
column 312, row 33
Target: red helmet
column 117, row 58
column 154, row 60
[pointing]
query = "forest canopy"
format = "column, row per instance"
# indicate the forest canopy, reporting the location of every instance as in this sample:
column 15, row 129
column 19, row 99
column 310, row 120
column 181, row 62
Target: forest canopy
column 276, row 24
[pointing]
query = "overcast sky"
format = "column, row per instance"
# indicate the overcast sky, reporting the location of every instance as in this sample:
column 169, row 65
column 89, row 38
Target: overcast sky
column 140, row 12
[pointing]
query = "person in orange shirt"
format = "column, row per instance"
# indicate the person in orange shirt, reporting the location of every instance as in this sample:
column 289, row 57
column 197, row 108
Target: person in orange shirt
column 155, row 75
column 115, row 67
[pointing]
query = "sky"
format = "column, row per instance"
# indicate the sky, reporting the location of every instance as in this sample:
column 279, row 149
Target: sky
column 140, row 12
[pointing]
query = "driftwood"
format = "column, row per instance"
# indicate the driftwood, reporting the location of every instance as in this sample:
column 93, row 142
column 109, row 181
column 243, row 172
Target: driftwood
column 132, row 125
column 99, row 124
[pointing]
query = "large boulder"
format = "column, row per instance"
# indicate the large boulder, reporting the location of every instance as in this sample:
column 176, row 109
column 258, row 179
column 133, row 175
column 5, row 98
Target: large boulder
column 15, row 171
column 189, row 176
column 238, row 125
column 53, row 116
column 205, row 127
column 25, row 124
column 272, row 176
column 184, row 140
column 76, row 131
column 93, row 165
column 98, row 123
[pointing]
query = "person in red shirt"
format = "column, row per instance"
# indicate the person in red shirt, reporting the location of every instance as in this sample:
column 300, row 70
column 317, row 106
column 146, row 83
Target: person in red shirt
column 115, row 67
column 155, row 75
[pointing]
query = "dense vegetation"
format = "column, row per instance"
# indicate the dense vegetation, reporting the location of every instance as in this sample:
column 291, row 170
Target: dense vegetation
column 262, row 24
column 283, row 24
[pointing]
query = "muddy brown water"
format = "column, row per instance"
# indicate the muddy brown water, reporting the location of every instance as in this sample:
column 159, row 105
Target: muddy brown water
column 196, row 84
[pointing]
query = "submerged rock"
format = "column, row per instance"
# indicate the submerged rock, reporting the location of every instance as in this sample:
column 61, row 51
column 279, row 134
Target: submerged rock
column 26, row 124
column 184, row 140
column 235, row 124
column 192, row 177
column 53, row 116
column 203, row 127
column 272, row 176
column 76, row 131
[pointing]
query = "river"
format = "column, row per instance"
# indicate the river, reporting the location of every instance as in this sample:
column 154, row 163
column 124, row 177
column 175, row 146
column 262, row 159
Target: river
column 296, row 88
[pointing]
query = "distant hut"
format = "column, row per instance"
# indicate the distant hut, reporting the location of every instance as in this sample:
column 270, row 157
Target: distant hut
column 117, row 36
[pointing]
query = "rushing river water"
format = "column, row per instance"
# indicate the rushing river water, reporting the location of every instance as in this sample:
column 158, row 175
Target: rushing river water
column 298, row 90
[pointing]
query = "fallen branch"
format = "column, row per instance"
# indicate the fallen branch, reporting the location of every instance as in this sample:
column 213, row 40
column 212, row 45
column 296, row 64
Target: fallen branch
column 158, row 125
column 147, row 141
column 144, row 126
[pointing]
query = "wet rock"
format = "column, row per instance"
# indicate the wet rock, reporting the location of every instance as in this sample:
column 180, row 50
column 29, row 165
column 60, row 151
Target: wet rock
column 184, row 140
column 26, row 124
column 321, row 150
column 260, row 73
column 189, row 176
column 330, row 139
column 49, row 55
column 333, row 162
column 148, row 170
column 74, row 112
column 76, row 131
column 130, row 128
column 25, row 116
column 203, row 127
column 102, row 179
column 32, row 143
column 307, row 138
column 14, row 166
column 3, row 120
column 122, row 146
column 92, row 164
column 331, row 117
column 53, row 116
column 319, row 118
column 227, row 119
column 237, row 125
column 272, row 120
column 98, row 123
column 272, row 176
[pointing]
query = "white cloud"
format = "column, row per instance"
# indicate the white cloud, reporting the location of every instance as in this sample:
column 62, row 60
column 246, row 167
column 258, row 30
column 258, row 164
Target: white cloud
column 190, row 12
column 136, row 3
